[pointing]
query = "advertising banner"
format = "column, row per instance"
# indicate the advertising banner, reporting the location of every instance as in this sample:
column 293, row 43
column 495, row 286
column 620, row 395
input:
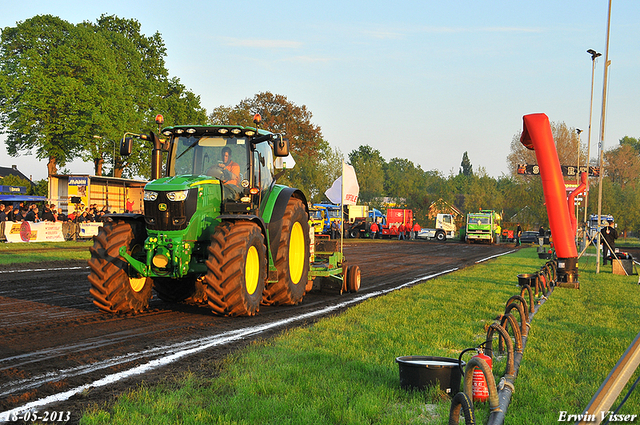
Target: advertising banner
column 27, row 231
column 88, row 230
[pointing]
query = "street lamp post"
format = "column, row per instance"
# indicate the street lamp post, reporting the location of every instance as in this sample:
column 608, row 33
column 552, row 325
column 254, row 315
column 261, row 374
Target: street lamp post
column 594, row 55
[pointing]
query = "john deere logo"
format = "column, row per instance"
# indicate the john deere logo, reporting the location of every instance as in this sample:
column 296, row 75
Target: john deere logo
column 162, row 207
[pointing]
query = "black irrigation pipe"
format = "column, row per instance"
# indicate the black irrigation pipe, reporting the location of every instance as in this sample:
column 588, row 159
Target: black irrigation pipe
column 500, row 395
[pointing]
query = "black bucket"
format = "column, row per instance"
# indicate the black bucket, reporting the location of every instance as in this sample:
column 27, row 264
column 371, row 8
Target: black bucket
column 419, row 372
column 528, row 279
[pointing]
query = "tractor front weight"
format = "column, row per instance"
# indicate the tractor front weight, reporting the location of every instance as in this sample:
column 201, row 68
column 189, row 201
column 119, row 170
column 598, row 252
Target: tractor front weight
column 165, row 257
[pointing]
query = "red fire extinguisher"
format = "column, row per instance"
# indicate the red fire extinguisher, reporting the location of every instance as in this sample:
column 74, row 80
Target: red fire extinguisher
column 479, row 387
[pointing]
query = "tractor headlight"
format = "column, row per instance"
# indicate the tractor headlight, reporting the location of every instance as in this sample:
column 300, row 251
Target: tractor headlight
column 150, row 196
column 179, row 195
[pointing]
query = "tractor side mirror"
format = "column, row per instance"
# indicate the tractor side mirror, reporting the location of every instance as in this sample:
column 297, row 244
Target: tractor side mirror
column 280, row 146
column 125, row 146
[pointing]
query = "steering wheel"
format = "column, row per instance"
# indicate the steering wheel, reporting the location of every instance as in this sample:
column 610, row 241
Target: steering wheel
column 216, row 171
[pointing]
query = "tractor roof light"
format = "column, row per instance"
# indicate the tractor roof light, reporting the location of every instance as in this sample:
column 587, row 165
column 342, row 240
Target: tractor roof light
column 223, row 130
column 167, row 133
column 179, row 131
column 191, row 130
column 236, row 131
column 249, row 133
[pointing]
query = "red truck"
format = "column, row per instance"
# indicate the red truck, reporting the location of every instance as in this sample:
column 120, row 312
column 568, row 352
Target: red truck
column 396, row 216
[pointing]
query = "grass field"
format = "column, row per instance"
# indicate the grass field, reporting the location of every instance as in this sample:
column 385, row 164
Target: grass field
column 15, row 253
column 342, row 370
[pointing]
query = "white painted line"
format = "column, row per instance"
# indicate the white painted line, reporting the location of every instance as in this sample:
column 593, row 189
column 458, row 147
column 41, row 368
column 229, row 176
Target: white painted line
column 44, row 270
column 495, row 256
column 200, row 345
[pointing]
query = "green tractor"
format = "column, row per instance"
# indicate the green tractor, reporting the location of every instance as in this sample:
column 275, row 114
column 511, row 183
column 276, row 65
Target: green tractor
column 216, row 228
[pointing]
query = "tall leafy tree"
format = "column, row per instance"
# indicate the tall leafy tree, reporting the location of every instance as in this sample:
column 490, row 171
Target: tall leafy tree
column 49, row 74
column 631, row 141
column 279, row 115
column 466, row 167
column 622, row 165
column 314, row 174
column 369, row 166
column 568, row 146
column 62, row 84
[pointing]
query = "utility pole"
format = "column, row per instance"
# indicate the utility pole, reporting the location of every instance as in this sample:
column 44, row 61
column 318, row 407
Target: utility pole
column 601, row 144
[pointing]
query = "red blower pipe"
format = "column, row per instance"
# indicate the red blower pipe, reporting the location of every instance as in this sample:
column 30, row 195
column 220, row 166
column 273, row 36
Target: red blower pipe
column 537, row 136
column 570, row 201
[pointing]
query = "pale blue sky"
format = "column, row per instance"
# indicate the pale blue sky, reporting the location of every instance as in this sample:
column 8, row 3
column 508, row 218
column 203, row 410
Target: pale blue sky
column 422, row 80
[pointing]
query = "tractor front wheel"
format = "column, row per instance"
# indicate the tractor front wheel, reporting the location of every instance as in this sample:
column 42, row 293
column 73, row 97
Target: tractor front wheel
column 292, row 260
column 236, row 269
column 114, row 286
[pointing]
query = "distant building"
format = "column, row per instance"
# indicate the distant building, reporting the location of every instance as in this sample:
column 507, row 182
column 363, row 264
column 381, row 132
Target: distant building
column 13, row 171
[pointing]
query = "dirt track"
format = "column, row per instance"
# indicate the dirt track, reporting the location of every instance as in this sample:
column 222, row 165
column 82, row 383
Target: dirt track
column 53, row 340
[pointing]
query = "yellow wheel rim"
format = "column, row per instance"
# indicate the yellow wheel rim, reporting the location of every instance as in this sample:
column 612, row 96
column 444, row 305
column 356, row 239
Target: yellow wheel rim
column 252, row 270
column 296, row 253
column 137, row 283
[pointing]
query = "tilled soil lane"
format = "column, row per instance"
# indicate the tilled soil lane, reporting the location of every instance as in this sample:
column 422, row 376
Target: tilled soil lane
column 53, row 338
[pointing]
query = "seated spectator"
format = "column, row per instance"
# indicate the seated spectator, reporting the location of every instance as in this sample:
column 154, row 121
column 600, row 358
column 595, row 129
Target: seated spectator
column 3, row 214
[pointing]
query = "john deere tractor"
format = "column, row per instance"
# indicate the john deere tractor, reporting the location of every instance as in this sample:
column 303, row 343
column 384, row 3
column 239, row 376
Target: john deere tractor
column 216, row 228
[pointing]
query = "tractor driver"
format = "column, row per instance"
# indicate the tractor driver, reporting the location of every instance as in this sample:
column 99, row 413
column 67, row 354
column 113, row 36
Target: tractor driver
column 230, row 170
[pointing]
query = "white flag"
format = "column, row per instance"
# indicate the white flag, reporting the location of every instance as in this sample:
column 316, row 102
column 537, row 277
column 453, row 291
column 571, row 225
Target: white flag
column 349, row 189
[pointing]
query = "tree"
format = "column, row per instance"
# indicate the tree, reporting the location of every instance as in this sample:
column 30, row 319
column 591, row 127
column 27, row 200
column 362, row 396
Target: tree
column 314, row 174
column 566, row 141
column 622, row 165
column 631, row 141
column 47, row 68
column 61, row 84
column 467, row 168
column 279, row 115
column 369, row 166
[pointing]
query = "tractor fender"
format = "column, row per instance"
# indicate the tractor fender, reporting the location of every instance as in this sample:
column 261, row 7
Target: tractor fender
column 275, row 211
column 245, row 217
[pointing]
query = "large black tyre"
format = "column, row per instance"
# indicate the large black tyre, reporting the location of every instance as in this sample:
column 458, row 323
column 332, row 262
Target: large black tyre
column 114, row 287
column 353, row 278
column 236, row 269
column 441, row 236
column 292, row 260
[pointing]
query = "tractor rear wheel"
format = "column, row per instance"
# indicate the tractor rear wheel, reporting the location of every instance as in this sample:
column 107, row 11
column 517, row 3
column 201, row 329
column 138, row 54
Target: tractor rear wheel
column 115, row 287
column 292, row 260
column 236, row 269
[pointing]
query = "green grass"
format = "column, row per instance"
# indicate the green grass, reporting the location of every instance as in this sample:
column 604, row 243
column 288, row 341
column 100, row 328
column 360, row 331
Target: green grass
column 342, row 370
column 13, row 253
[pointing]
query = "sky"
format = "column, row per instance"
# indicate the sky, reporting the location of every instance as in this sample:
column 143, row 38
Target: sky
column 422, row 80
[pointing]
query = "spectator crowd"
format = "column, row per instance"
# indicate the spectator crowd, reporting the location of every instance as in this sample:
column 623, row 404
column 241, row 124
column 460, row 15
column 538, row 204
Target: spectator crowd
column 49, row 212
